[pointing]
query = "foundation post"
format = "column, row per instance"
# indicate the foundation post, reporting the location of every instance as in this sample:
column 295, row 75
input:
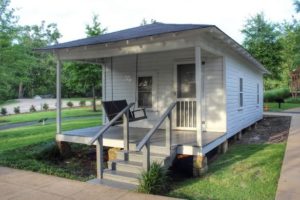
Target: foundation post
column 223, row 147
column 199, row 165
column 239, row 135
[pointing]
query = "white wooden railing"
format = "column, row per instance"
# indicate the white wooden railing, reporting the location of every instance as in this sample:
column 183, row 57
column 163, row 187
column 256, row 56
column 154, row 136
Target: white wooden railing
column 144, row 144
column 98, row 138
column 186, row 113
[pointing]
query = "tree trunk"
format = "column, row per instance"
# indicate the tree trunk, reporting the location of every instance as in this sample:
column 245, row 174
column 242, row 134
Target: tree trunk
column 94, row 99
column 20, row 95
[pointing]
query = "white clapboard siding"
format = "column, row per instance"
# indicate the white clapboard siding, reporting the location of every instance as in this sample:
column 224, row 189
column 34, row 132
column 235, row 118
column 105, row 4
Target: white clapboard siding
column 214, row 100
column 160, row 65
column 240, row 118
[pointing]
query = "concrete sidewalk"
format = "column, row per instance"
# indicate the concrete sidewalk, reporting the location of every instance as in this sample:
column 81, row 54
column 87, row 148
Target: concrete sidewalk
column 289, row 181
column 18, row 184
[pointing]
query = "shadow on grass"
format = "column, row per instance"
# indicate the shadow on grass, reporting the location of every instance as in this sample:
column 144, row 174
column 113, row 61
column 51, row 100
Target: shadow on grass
column 44, row 157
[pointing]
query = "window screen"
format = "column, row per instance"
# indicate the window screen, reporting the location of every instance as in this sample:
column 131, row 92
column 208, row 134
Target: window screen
column 241, row 97
column 145, row 92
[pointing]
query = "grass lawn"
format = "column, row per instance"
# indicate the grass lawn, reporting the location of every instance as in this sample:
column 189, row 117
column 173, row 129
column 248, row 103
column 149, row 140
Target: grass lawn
column 284, row 106
column 8, row 102
column 74, row 112
column 244, row 172
column 22, row 148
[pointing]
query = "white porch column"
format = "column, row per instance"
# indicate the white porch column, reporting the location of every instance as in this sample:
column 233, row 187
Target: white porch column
column 58, row 96
column 198, row 76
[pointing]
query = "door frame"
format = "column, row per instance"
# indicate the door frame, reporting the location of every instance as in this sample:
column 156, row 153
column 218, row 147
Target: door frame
column 175, row 87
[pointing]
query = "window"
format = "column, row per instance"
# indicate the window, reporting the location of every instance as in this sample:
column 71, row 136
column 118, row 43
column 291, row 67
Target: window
column 145, row 92
column 241, row 93
column 257, row 94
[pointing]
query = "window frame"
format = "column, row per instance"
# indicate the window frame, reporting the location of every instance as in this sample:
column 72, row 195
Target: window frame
column 257, row 94
column 138, row 92
column 154, row 75
column 241, row 92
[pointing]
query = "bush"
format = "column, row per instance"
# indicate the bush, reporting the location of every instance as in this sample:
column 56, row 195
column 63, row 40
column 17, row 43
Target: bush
column 292, row 100
column 82, row 103
column 70, row 104
column 17, row 110
column 154, row 181
column 45, row 106
column 272, row 95
column 50, row 152
column 3, row 111
column 32, row 108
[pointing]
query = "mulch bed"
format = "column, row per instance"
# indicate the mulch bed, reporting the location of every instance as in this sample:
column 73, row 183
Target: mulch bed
column 269, row 130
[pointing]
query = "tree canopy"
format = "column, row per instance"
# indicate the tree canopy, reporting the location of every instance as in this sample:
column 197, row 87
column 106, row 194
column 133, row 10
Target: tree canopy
column 262, row 40
column 82, row 75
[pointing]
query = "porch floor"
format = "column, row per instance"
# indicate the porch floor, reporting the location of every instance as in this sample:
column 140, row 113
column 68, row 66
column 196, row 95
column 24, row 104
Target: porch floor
column 114, row 136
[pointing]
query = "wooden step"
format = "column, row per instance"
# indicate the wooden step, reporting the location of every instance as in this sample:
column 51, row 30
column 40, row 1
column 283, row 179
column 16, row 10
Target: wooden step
column 123, row 177
column 125, row 166
column 138, row 156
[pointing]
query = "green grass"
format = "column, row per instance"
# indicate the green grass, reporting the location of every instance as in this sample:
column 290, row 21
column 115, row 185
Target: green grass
column 74, row 112
column 244, row 172
column 19, row 147
column 8, row 102
column 284, row 106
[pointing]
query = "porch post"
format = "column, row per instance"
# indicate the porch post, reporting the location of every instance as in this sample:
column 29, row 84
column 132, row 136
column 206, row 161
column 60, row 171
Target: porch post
column 58, row 96
column 198, row 76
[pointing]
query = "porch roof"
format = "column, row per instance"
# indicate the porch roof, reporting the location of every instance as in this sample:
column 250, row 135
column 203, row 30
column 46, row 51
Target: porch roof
column 129, row 34
column 138, row 33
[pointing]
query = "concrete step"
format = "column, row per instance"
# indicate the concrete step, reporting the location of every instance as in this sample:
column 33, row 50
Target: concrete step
column 114, row 184
column 126, row 166
column 138, row 156
column 123, row 177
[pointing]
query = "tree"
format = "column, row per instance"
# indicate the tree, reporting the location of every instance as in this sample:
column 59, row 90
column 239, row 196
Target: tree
column 86, row 76
column 23, row 71
column 297, row 5
column 95, row 28
column 8, row 32
column 262, row 41
column 145, row 22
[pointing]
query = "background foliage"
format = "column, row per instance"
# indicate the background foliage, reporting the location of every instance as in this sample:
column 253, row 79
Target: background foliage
column 26, row 73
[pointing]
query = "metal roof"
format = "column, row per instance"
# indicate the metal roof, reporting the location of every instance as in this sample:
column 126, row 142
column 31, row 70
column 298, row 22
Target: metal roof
column 127, row 34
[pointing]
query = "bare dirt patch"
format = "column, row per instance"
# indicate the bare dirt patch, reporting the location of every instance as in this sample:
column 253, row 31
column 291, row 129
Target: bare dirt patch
column 271, row 129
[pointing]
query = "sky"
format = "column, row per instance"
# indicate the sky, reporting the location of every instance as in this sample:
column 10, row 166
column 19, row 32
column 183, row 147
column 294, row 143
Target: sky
column 71, row 16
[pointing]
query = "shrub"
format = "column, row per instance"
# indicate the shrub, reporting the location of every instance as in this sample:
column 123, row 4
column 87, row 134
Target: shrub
column 17, row 110
column 3, row 111
column 154, row 181
column 272, row 95
column 82, row 103
column 45, row 106
column 70, row 104
column 292, row 100
column 32, row 108
column 49, row 152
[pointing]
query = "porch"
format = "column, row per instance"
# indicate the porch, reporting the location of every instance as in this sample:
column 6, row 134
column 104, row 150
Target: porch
column 183, row 140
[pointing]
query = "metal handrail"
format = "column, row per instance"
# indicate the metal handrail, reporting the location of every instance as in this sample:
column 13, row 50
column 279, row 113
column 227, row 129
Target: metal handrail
column 148, row 136
column 108, row 125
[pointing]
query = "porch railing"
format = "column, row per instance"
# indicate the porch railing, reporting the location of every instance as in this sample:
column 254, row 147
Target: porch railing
column 144, row 144
column 186, row 113
column 98, row 138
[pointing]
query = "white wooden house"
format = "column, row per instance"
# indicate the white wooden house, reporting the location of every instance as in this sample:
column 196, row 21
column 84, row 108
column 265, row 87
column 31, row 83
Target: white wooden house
column 199, row 87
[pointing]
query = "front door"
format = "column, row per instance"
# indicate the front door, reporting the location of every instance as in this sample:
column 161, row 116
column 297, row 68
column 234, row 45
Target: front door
column 186, row 96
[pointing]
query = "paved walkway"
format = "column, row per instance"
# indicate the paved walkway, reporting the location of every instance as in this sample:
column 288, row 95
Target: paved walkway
column 289, row 181
column 18, row 184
